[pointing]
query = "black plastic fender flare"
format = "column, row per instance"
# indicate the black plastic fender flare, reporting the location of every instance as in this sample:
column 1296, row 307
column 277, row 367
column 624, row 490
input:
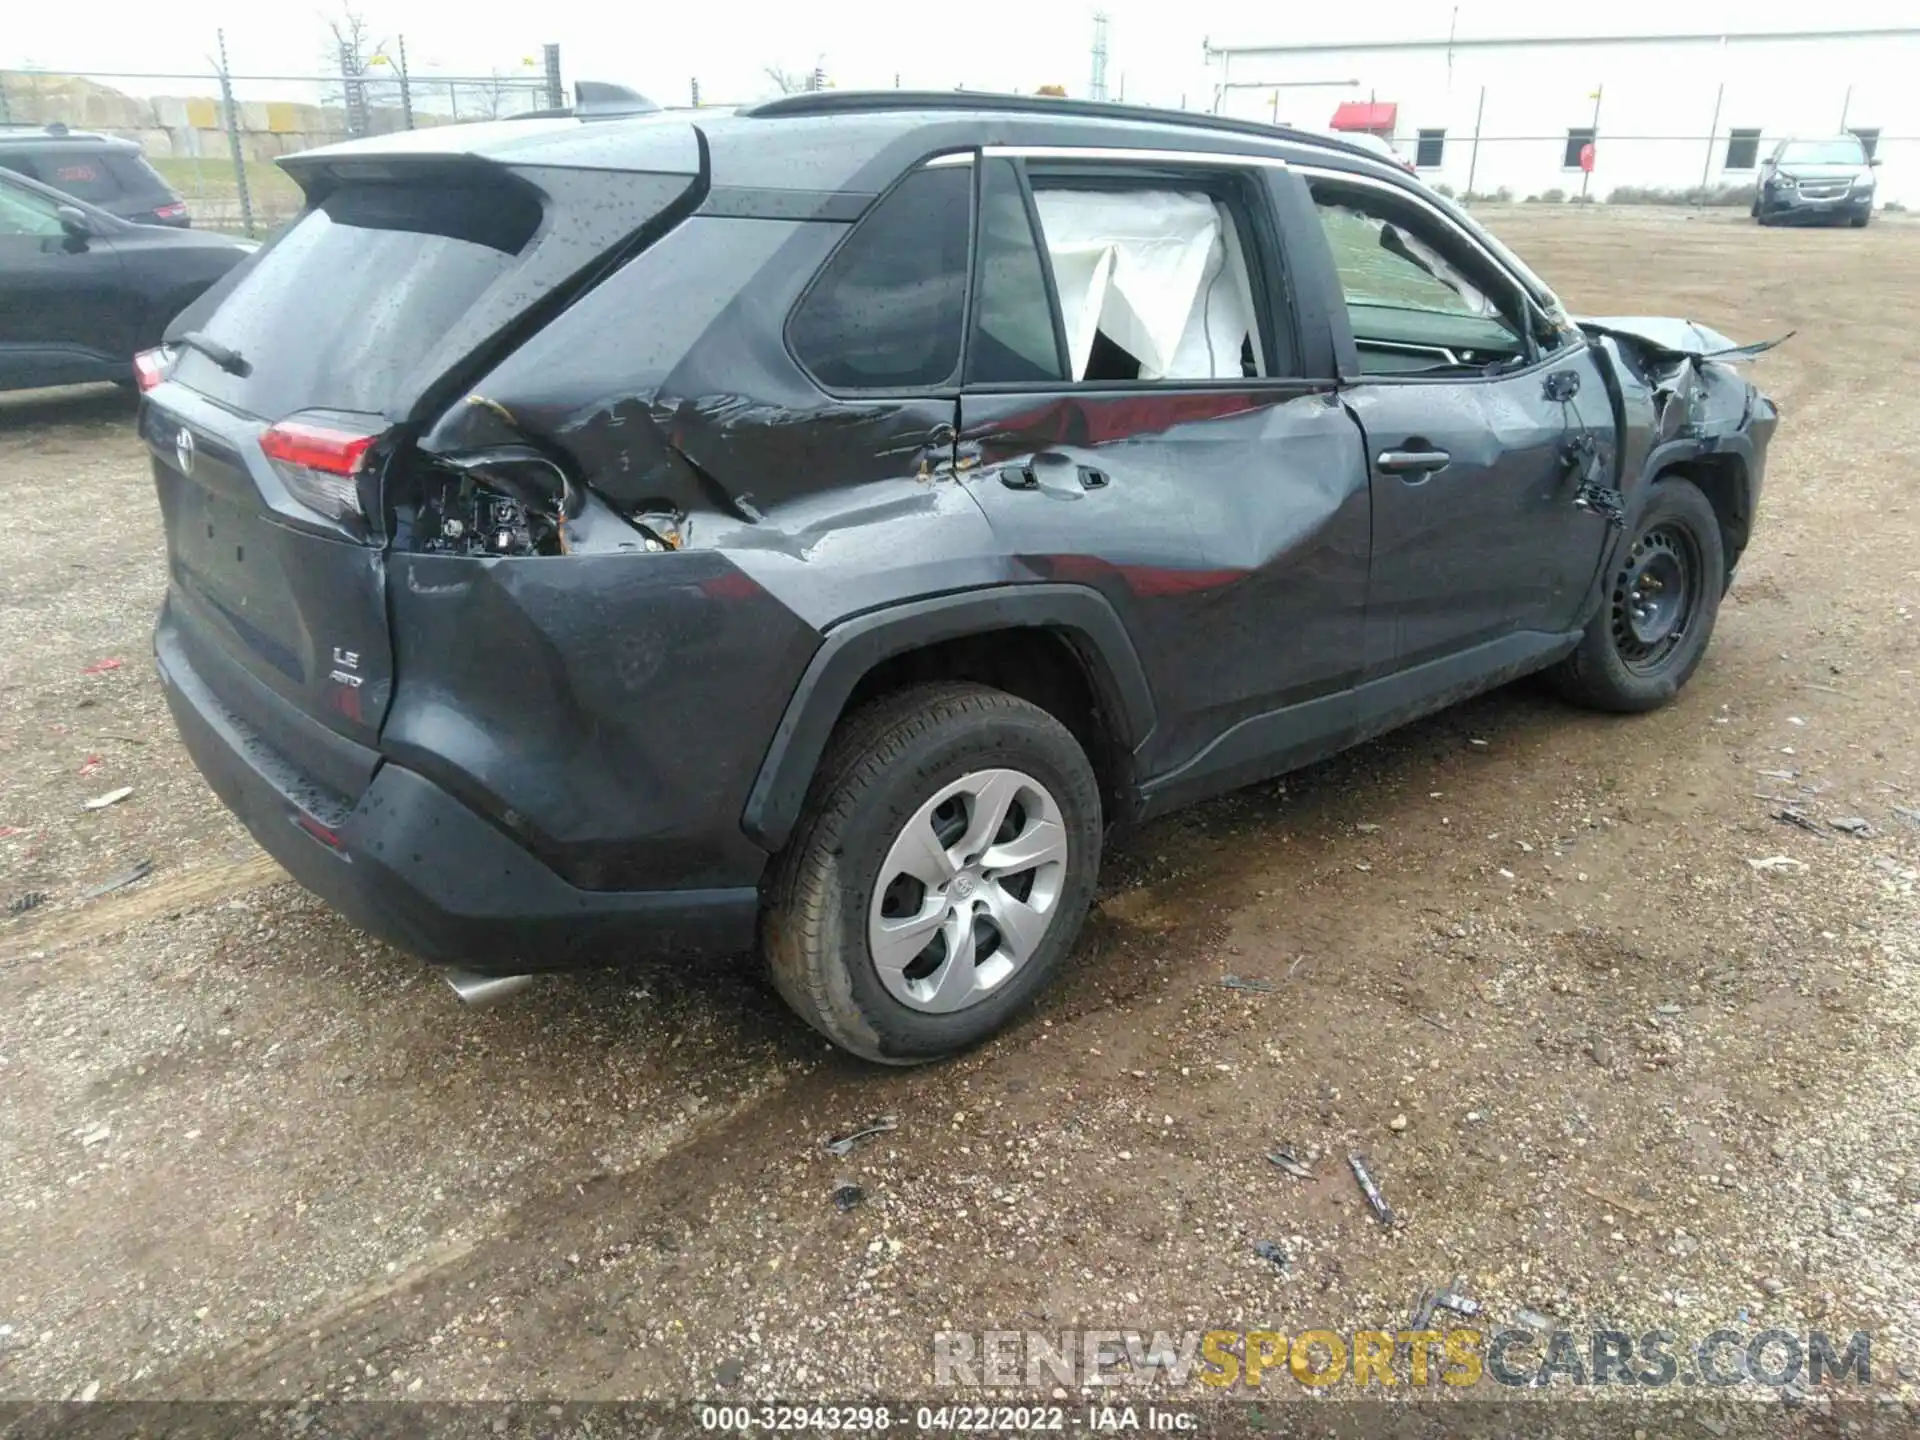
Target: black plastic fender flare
column 851, row 648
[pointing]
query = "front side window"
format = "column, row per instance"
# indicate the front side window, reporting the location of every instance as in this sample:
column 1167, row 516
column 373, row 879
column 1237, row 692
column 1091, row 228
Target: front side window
column 24, row 213
column 1869, row 140
column 888, row 309
column 1417, row 296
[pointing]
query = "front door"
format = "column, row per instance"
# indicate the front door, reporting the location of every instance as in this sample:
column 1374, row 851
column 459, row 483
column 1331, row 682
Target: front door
column 1128, row 423
column 1468, row 415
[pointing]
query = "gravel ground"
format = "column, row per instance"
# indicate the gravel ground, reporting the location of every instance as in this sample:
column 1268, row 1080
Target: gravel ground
column 1607, row 1069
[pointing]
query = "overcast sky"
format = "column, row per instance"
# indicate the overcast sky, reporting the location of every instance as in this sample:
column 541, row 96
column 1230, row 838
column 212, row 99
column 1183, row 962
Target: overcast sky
column 1154, row 46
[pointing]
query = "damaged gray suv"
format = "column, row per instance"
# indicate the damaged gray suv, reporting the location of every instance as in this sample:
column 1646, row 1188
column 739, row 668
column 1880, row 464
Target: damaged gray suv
column 819, row 527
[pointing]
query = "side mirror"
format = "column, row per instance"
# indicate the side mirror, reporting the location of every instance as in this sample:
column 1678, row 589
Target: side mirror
column 74, row 221
column 1874, row 161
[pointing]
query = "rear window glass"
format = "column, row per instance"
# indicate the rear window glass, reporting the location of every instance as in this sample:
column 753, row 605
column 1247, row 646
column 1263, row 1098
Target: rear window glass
column 84, row 176
column 887, row 311
column 349, row 301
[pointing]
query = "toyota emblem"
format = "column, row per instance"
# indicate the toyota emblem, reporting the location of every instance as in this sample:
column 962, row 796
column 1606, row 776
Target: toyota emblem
column 183, row 450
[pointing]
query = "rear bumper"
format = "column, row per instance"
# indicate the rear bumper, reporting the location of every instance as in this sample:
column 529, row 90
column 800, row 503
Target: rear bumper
column 412, row 864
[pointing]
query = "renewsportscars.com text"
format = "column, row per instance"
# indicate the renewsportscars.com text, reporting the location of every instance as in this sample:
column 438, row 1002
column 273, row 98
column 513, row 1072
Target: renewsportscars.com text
column 1251, row 1359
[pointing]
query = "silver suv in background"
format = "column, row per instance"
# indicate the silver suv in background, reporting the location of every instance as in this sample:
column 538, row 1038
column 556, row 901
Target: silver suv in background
column 1816, row 180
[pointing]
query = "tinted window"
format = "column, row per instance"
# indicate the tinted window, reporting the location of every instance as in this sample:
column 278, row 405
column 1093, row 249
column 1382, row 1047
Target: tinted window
column 887, row 311
column 1431, row 150
column 1013, row 333
column 137, row 177
column 1577, row 140
column 1743, row 148
column 346, row 303
column 84, row 175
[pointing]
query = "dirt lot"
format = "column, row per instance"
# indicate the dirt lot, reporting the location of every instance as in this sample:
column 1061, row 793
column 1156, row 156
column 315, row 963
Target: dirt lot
column 246, row 1151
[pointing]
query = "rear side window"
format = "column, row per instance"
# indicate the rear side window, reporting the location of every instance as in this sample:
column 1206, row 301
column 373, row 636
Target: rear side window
column 888, row 309
column 349, row 301
column 137, row 177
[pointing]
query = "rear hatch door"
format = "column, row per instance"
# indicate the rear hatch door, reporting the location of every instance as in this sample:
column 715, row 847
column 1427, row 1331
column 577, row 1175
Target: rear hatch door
column 305, row 371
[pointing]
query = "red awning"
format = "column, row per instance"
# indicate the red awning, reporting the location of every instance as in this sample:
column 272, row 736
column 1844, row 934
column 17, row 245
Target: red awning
column 1376, row 117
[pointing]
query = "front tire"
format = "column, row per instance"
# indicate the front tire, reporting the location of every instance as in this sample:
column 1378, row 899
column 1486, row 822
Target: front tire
column 1654, row 622
column 939, row 875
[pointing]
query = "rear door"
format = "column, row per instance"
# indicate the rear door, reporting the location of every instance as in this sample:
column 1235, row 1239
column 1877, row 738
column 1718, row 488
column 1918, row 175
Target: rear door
column 1137, row 420
column 311, row 367
column 1467, row 413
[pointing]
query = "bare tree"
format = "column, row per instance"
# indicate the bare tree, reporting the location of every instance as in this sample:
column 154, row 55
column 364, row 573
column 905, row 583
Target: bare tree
column 357, row 58
column 787, row 82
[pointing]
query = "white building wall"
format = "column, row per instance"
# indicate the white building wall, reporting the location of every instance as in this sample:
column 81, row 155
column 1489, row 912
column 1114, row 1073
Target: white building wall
column 1656, row 107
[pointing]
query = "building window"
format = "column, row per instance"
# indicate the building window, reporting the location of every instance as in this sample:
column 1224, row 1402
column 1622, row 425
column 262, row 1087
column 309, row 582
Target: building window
column 1431, row 147
column 1869, row 138
column 1578, row 138
column 1743, row 148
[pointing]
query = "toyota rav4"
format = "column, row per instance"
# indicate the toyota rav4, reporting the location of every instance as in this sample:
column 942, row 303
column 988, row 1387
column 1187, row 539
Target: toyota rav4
column 821, row 526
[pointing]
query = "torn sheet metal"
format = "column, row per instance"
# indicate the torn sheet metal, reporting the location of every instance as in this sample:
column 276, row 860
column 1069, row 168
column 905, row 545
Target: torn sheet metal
column 1662, row 337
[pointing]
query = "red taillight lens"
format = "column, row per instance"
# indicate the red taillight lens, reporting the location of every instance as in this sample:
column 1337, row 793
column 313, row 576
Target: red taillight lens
column 176, row 211
column 321, row 464
column 317, row 447
column 150, row 367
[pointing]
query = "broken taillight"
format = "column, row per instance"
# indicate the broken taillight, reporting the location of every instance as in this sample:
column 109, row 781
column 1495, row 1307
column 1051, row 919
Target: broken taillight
column 150, row 367
column 320, row 461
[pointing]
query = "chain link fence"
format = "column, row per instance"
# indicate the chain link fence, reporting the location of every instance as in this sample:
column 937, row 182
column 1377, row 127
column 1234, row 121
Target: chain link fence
column 214, row 135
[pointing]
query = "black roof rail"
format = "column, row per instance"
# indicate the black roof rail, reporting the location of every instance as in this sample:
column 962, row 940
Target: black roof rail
column 857, row 102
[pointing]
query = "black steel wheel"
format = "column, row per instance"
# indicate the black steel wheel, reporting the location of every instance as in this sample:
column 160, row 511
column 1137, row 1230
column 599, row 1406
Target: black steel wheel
column 1656, row 594
column 1652, row 627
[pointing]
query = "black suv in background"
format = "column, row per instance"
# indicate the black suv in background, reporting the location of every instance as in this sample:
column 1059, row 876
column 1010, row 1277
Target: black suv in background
column 82, row 291
column 822, row 525
column 109, row 173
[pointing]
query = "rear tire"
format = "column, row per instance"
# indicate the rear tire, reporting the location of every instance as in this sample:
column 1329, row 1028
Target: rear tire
column 1657, row 616
column 962, row 784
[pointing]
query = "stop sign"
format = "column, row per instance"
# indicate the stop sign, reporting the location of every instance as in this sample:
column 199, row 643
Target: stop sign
column 1586, row 157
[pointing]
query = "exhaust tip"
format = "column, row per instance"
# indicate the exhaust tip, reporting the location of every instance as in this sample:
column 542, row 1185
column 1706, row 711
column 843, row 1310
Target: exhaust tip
column 479, row 990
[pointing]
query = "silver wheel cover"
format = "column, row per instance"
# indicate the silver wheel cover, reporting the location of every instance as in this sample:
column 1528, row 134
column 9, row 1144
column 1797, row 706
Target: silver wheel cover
column 968, row 891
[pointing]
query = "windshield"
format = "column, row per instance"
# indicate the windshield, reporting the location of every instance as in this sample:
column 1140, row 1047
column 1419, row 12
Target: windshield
column 1823, row 152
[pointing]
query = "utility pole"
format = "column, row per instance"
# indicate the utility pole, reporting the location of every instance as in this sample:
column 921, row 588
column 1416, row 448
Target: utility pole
column 1473, row 155
column 1706, row 165
column 1097, row 86
column 1594, row 140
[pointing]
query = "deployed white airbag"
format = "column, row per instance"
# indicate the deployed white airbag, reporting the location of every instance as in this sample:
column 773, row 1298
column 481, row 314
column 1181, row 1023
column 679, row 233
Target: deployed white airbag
column 1160, row 271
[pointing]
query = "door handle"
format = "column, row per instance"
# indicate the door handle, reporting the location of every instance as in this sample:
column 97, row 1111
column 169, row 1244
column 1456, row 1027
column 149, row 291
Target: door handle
column 1411, row 462
column 1056, row 474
